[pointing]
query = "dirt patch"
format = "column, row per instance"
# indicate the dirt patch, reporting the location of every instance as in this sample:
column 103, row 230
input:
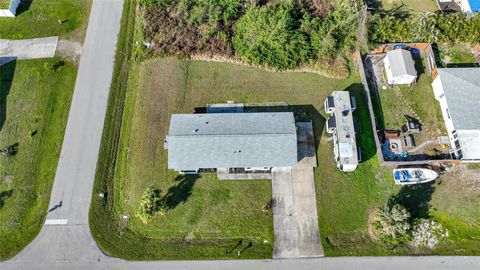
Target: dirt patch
column 8, row 179
column 461, row 181
column 370, row 221
column 209, row 57
column 70, row 50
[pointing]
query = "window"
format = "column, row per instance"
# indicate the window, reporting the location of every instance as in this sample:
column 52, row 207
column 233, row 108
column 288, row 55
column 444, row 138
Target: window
column 448, row 113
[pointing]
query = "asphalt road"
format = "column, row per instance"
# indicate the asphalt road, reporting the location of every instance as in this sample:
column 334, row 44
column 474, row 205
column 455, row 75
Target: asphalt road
column 70, row 246
column 66, row 236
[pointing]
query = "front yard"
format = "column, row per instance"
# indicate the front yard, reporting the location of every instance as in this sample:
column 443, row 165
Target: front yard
column 40, row 19
column 210, row 216
column 33, row 115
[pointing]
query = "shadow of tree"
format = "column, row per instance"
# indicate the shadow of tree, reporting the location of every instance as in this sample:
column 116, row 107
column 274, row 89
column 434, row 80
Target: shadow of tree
column 5, row 195
column 7, row 72
column 10, row 150
column 415, row 198
column 179, row 193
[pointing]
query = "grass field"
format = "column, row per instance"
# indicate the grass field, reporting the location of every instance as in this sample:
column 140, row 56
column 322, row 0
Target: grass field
column 201, row 225
column 410, row 5
column 33, row 115
column 39, row 18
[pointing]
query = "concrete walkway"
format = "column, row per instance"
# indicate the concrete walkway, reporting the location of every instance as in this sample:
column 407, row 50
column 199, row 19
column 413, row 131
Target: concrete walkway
column 295, row 218
column 29, row 48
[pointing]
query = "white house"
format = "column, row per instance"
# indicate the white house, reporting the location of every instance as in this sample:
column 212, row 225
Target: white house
column 469, row 5
column 400, row 67
column 340, row 123
column 8, row 8
column 458, row 91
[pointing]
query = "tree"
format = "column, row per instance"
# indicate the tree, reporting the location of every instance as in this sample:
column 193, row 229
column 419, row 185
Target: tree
column 152, row 203
column 392, row 224
column 270, row 35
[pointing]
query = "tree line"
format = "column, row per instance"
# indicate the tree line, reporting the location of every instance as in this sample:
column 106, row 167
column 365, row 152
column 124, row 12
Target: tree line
column 285, row 34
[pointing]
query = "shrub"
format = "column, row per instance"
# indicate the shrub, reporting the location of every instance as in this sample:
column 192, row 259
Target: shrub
column 427, row 233
column 425, row 27
column 270, row 35
column 54, row 65
column 151, row 204
column 392, row 224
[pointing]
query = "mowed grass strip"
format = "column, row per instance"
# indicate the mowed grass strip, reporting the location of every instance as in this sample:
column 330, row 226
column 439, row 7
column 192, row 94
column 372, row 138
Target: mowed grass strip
column 34, row 105
column 40, row 18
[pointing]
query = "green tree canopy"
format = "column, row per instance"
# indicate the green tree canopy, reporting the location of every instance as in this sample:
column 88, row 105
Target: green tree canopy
column 270, row 35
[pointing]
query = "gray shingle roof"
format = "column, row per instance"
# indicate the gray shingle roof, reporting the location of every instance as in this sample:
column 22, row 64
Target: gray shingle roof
column 401, row 62
column 229, row 140
column 462, row 92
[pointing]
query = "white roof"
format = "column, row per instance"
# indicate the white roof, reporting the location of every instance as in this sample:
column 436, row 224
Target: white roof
column 469, row 143
column 401, row 63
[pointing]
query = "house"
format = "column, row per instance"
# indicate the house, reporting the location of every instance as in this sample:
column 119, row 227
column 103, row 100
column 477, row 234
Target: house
column 209, row 142
column 400, row 67
column 340, row 124
column 469, row 5
column 458, row 91
column 8, row 8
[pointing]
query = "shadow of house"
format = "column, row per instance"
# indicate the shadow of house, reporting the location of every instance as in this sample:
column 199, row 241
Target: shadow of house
column 181, row 191
column 7, row 72
column 416, row 199
column 463, row 65
column 24, row 6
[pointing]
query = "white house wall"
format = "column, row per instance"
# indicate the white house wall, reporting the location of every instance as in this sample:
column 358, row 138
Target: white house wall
column 440, row 96
column 464, row 5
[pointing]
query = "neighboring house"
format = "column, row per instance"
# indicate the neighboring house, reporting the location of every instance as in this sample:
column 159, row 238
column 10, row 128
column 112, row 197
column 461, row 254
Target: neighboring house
column 340, row 107
column 400, row 67
column 469, row 5
column 231, row 141
column 8, row 8
column 458, row 91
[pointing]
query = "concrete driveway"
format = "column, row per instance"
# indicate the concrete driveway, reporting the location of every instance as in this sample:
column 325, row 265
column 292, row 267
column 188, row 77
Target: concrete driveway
column 29, row 48
column 295, row 219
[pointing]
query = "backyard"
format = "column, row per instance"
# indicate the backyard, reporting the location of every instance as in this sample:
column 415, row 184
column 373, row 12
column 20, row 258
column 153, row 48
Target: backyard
column 33, row 115
column 417, row 102
column 410, row 5
column 40, row 18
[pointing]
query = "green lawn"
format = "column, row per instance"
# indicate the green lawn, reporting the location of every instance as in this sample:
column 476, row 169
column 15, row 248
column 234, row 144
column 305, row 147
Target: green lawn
column 39, row 18
column 452, row 55
column 417, row 101
column 201, row 225
column 4, row 4
column 410, row 5
column 33, row 114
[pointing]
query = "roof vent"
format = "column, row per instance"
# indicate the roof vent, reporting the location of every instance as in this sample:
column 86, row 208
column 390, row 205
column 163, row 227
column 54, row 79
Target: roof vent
column 196, row 130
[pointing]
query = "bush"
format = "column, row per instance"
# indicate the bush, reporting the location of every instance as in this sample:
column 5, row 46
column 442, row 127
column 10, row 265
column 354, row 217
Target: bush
column 426, row 27
column 54, row 65
column 427, row 233
column 270, row 36
column 150, row 205
column 392, row 224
